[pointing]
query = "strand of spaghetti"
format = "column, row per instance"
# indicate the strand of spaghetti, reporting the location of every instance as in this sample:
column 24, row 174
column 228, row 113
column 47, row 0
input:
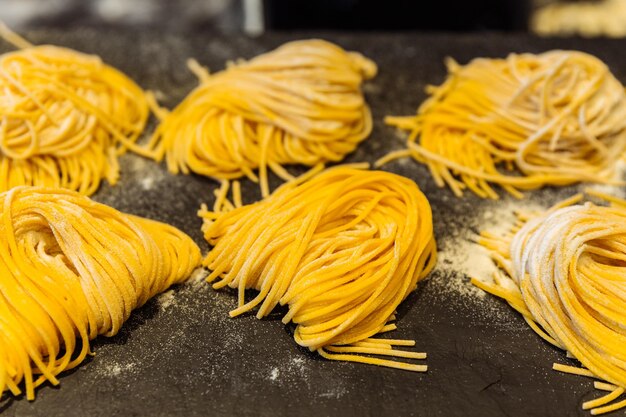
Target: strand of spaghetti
column 237, row 194
column 13, row 38
column 574, row 370
column 198, row 70
column 376, row 351
column 153, row 104
column 72, row 269
column 342, row 248
column 220, row 196
column 556, row 118
column 605, row 399
column 299, row 104
column 604, row 386
column 393, row 342
column 609, row 408
column 373, row 345
column 519, row 182
column 373, row 361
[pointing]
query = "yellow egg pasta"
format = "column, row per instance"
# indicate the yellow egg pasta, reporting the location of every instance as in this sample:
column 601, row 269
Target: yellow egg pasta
column 299, row 104
column 72, row 269
column 64, row 117
column 341, row 248
column 565, row 272
column 522, row 122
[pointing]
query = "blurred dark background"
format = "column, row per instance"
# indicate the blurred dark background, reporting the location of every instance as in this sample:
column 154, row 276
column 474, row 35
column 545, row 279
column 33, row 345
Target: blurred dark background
column 543, row 17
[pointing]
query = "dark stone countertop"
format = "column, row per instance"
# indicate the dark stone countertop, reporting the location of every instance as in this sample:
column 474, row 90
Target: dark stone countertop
column 182, row 355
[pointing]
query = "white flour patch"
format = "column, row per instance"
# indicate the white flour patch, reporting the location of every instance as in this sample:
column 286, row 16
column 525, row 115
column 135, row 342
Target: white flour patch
column 464, row 258
column 147, row 173
column 461, row 258
column 274, row 374
column 166, row 299
column 113, row 369
column 197, row 279
column 147, row 183
column 297, row 364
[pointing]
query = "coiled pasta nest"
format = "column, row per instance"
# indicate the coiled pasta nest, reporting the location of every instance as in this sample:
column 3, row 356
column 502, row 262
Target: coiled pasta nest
column 342, row 249
column 565, row 272
column 72, row 269
column 299, row 104
column 522, row 122
column 64, row 117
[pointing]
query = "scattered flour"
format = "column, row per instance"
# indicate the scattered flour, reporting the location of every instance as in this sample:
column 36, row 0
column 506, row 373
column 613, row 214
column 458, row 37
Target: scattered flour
column 166, row 299
column 113, row 369
column 293, row 369
column 372, row 88
column 198, row 278
column 138, row 164
column 196, row 281
column 461, row 258
column 296, row 370
column 298, row 363
column 145, row 172
column 147, row 183
column 160, row 95
column 335, row 392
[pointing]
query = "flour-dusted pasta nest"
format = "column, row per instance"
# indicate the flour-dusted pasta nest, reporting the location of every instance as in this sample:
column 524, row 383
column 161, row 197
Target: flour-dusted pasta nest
column 342, row 250
column 566, row 273
column 64, row 117
column 72, row 269
column 299, row 104
column 522, row 122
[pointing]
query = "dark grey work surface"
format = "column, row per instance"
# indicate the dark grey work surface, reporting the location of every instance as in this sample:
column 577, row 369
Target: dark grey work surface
column 181, row 355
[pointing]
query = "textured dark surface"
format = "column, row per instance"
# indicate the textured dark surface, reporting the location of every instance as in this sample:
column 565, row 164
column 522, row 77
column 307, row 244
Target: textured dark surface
column 182, row 355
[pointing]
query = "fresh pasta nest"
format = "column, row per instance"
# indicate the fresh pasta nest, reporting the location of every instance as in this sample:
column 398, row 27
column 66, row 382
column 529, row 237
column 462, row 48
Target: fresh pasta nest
column 64, row 117
column 299, row 104
column 342, row 250
column 72, row 269
column 566, row 274
column 556, row 118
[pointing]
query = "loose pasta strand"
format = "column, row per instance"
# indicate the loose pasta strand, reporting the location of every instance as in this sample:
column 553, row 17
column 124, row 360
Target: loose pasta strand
column 72, row 269
column 341, row 248
column 567, row 276
column 557, row 118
